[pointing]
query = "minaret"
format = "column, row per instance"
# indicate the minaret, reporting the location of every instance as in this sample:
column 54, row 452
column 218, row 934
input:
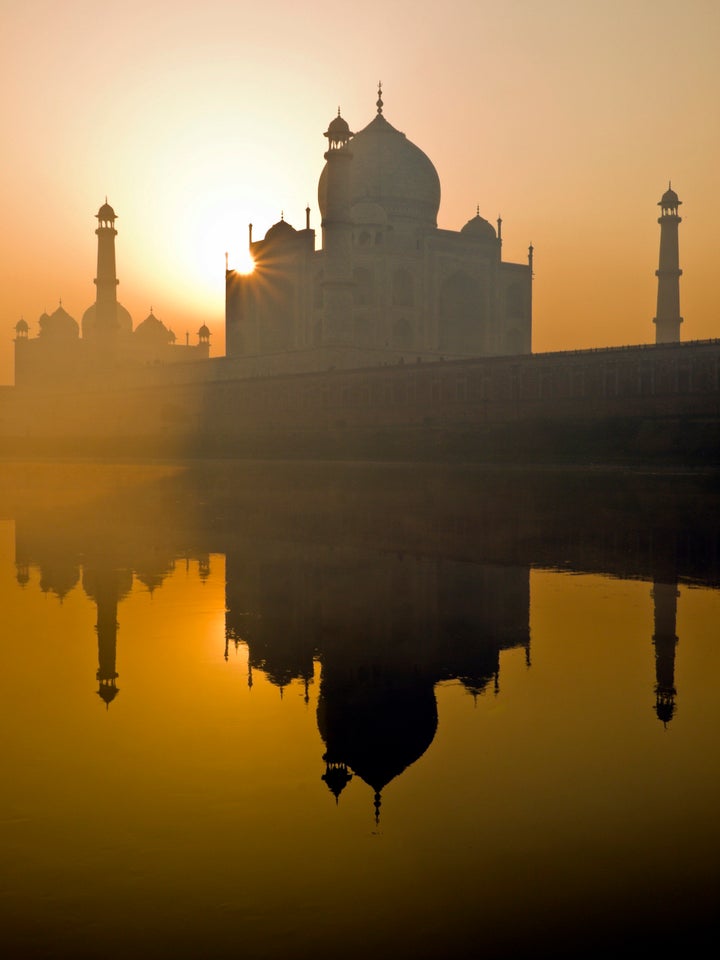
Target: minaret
column 106, row 282
column 667, row 319
column 337, row 237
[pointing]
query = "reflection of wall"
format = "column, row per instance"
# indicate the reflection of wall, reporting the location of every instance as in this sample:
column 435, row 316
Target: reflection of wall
column 666, row 397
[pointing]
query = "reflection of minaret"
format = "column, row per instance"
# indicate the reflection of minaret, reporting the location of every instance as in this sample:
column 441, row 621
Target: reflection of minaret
column 336, row 776
column 107, row 588
column 665, row 640
column 107, row 644
column 22, row 574
column 667, row 320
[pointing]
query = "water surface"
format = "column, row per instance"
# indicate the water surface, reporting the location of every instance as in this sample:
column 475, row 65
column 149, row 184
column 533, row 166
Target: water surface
column 323, row 710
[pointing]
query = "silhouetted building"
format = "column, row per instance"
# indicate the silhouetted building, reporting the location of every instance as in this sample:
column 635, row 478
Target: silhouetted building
column 387, row 284
column 667, row 320
column 108, row 345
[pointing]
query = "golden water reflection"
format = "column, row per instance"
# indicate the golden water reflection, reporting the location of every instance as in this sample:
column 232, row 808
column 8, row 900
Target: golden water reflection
column 334, row 710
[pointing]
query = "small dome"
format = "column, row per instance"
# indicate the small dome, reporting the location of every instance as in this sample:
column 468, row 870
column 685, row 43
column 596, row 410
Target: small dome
column 281, row 230
column 204, row 332
column 670, row 198
column 152, row 330
column 338, row 130
column 59, row 324
column 106, row 212
column 21, row 326
column 480, row 228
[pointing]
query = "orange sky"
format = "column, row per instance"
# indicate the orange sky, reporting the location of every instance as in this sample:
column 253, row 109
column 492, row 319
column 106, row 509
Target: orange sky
column 567, row 117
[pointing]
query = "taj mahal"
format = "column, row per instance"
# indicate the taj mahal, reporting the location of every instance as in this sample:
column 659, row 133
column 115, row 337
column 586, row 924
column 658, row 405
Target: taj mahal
column 387, row 283
column 385, row 286
column 391, row 336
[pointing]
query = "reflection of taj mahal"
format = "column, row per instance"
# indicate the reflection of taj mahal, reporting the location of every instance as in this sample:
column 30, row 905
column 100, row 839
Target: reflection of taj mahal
column 385, row 631
column 387, row 283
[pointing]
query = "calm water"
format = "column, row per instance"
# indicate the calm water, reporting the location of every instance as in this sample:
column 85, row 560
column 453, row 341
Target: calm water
column 323, row 711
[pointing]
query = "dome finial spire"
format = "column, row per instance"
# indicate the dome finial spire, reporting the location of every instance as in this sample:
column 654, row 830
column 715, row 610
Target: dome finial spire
column 379, row 103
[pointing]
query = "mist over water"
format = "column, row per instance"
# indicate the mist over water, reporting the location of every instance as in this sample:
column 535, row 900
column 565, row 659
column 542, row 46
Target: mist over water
column 323, row 709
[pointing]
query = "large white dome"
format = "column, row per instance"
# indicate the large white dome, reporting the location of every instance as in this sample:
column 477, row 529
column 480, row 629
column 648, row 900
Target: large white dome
column 389, row 170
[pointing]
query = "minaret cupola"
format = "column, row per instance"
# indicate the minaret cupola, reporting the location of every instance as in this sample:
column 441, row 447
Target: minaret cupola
column 338, row 132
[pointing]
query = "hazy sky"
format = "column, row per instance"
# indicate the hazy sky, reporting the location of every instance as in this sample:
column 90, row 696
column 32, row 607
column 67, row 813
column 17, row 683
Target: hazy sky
column 566, row 117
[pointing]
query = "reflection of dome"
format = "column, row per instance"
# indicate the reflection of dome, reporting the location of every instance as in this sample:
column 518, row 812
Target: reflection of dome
column 58, row 324
column 336, row 776
column 123, row 320
column 665, row 710
column 152, row 578
column 103, row 584
column 152, row 330
column 107, row 692
column 377, row 728
column 480, row 228
column 386, row 168
column 58, row 577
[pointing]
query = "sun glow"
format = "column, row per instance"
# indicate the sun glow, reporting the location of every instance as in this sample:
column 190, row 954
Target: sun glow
column 244, row 262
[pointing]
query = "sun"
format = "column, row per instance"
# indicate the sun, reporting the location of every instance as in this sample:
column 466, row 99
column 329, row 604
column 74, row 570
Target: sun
column 244, row 262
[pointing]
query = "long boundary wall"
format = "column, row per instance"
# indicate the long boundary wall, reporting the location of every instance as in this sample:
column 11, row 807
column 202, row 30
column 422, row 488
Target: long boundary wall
column 664, row 396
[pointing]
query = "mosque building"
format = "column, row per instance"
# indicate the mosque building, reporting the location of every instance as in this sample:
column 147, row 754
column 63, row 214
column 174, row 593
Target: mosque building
column 387, row 284
column 59, row 354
